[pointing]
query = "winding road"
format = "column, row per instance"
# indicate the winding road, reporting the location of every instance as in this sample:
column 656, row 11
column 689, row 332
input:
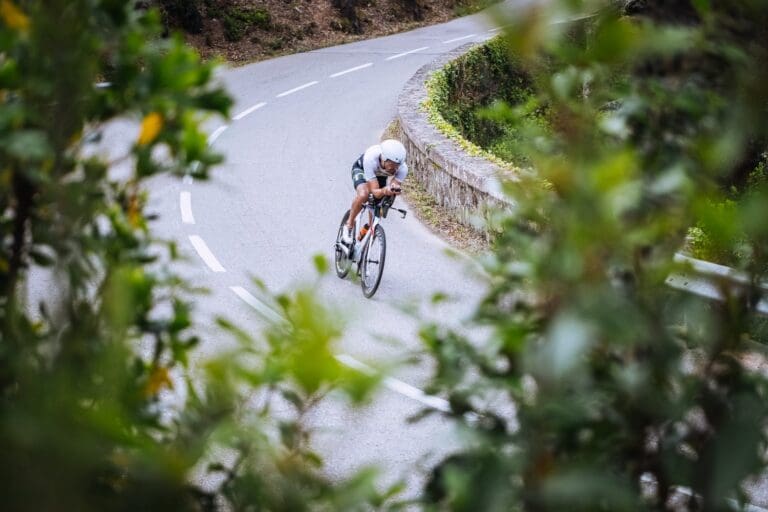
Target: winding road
column 298, row 124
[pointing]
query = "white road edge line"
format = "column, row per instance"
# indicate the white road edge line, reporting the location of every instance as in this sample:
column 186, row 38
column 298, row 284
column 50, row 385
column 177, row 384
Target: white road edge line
column 495, row 29
column 350, row 70
column 247, row 111
column 396, row 385
column 393, row 57
column 286, row 93
column 185, row 203
column 459, row 39
column 216, row 134
column 390, row 383
column 256, row 304
column 205, row 253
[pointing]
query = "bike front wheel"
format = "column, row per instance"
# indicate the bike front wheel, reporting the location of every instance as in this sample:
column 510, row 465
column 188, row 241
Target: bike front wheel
column 373, row 262
column 342, row 262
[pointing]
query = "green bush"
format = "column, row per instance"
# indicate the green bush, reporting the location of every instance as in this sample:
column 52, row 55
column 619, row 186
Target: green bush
column 182, row 13
column 598, row 387
column 722, row 233
column 104, row 403
column 239, row 20
column 467, row 7
column 476, row 94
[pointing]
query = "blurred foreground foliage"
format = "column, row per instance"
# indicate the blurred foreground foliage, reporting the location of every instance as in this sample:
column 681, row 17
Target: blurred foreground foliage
column 600, row 387
column 104, row 404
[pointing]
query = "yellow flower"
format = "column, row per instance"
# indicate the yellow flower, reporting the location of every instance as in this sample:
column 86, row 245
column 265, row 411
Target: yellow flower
column 150, row 127
column 158, row 379
column 13, row 17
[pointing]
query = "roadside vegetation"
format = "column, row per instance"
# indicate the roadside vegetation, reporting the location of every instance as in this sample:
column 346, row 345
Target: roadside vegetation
column 105, row 403
column 595, row 387
column 247, row 30
column 487, row 102
column 461, row 93
column 636, row 124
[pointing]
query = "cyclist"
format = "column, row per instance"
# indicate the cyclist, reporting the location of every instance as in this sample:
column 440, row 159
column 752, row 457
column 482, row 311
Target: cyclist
column 370, row 173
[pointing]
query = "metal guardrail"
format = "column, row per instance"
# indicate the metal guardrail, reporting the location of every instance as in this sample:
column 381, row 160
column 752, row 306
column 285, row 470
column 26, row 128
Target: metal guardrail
column 707, row 280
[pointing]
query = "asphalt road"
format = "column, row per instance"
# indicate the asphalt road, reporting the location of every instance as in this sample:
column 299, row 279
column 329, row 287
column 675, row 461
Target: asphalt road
column 298, row 125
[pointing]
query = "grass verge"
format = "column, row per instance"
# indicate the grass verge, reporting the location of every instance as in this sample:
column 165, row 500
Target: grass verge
column 434, row 216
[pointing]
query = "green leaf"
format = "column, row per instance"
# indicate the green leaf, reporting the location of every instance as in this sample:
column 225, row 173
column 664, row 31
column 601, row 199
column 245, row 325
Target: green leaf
column 28, row 146
column 321, row 264
column 42, row 258
column 312, row 458
column 290, row 434
column 293, row 398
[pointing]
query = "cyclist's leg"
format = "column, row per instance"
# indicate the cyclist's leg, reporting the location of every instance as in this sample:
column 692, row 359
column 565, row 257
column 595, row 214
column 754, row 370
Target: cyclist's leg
column 361, row 192
column 361, row 196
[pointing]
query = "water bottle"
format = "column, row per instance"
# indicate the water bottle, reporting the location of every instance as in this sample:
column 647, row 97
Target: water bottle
column 363, row 231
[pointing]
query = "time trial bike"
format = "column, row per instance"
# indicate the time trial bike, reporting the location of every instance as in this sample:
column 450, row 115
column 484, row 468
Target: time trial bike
column 368, row 249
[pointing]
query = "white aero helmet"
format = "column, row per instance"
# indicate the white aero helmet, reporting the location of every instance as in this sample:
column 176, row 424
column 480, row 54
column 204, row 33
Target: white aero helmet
column 393, row 150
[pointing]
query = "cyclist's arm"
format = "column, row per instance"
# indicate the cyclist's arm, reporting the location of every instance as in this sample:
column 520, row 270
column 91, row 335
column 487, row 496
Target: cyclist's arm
column 381, row 192
column 397, row 179
column 401, row 173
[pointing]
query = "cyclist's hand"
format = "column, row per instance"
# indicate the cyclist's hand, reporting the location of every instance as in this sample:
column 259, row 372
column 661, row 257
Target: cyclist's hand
column 393, row 191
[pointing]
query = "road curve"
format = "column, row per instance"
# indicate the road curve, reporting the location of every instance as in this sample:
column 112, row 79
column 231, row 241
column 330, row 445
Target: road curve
column 298, row 124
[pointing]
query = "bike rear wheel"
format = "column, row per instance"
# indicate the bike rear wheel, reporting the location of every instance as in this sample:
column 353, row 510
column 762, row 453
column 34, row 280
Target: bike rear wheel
column 342, row 262
column 374, row 254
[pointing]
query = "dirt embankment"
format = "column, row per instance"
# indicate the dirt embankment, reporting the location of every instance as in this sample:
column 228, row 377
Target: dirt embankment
column 243, row 31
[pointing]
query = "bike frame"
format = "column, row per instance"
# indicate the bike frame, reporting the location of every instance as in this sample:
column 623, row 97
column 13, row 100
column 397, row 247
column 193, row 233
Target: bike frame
column 374, row 219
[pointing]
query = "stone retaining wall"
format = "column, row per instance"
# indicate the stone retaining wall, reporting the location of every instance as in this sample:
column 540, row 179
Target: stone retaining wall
column 464, row 185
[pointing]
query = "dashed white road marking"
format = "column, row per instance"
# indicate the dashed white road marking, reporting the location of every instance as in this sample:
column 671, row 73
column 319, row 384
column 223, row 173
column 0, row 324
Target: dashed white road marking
column 185, row 203
column 217, row 133
column 205, row 253
column 393, row 57
column 188, row 179
column 286, row 93
column 495, row 29
column 459, row 39
column 247, row 111
column 350, row 70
